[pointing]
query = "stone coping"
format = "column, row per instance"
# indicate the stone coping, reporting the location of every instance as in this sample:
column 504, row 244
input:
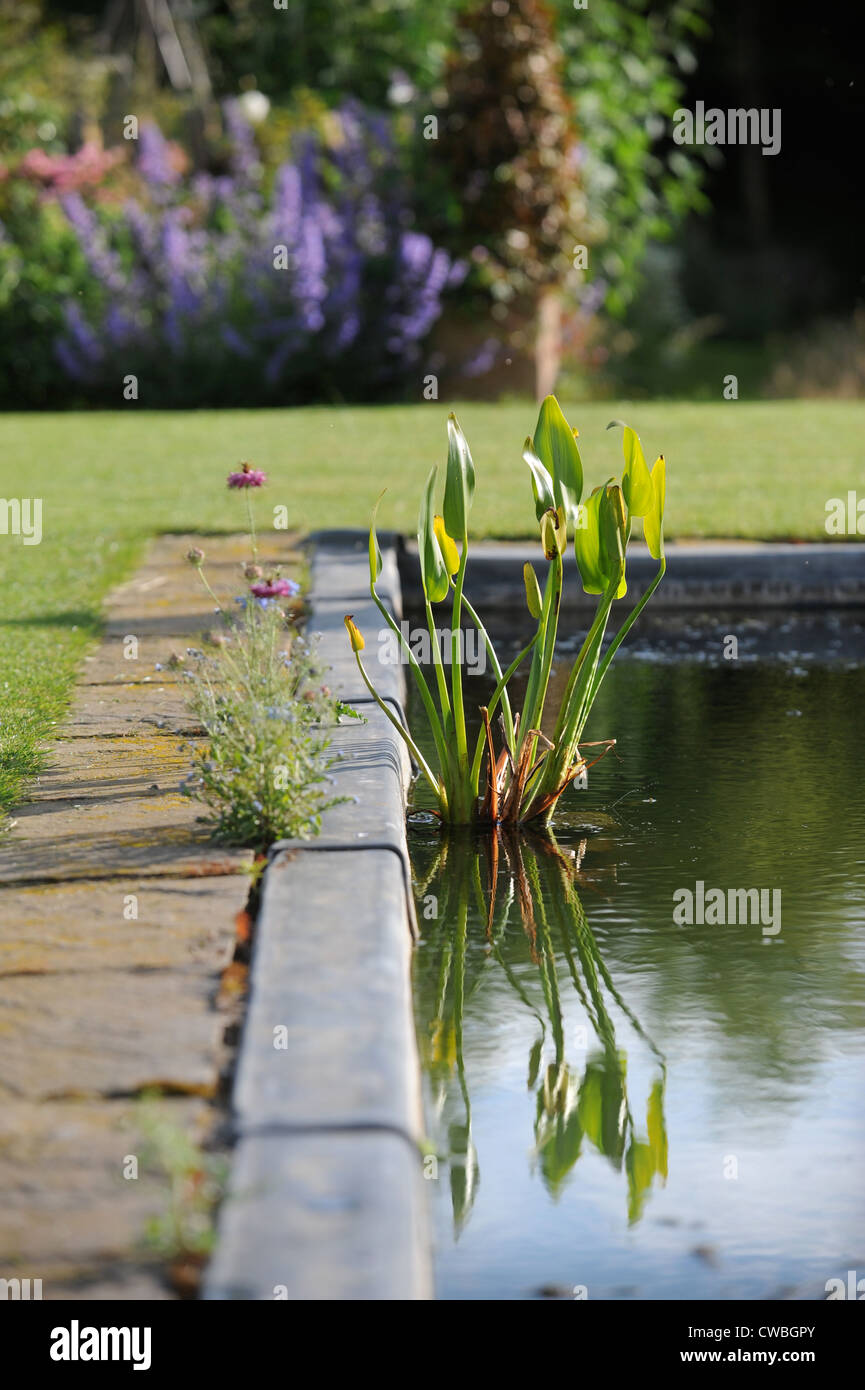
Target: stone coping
column 729, row 575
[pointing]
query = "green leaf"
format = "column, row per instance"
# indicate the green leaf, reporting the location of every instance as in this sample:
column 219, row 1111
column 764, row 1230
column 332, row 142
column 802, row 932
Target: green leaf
column 613, row 526
column 636, row 481
column 542, row 483
column 587, row 545
column 434, row 575
column 459, row 482
column 640, row 1168
column 535, row 1062
column 559, row 1141
column 534, row 602
column 657, row 1131
column 556, row 447
column 653, row 523
column 590, row 1106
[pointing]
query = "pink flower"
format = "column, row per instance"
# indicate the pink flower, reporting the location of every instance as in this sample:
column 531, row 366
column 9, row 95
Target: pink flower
column 275, row 588
column 247, row 477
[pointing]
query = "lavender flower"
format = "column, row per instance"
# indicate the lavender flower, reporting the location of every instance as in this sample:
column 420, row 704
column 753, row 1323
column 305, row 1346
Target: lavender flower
column 188, row 290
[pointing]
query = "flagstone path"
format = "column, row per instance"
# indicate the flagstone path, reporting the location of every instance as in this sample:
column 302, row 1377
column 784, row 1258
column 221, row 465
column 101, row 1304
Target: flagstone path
column 117, row 919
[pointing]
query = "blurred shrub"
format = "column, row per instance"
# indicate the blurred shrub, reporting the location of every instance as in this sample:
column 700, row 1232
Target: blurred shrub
column 361, row 50
column 41, row 265
column 226, row 288
column 625, row 61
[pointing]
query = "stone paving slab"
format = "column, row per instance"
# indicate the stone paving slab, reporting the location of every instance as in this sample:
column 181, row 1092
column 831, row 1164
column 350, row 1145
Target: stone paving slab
column 108, row 665
column 67, row 1210
column 96, row 1006
column 98, row 769
column 339, row 569
column 113, row 1032
column 154, row 835
column 120, row 711
column 350, row 1223
column 71, row 927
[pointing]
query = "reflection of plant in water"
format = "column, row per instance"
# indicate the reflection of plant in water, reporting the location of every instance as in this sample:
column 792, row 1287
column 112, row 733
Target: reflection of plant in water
column 543, row 880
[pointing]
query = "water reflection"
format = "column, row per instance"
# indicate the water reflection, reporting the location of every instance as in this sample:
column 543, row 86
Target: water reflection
column 479, row 895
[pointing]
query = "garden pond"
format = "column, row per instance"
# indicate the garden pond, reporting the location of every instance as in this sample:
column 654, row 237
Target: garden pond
column 623, row 1104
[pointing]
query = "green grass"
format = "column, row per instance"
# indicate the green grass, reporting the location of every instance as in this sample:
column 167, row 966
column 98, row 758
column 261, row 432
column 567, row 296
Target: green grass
column 109, row 481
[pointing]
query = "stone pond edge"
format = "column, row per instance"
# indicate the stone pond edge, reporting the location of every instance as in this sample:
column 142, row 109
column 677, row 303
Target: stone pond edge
column 326, row 1198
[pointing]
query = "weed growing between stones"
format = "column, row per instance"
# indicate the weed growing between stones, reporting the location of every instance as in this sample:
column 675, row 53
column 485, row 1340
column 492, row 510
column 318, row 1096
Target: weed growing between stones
column 183, row 1232
column 256, row 688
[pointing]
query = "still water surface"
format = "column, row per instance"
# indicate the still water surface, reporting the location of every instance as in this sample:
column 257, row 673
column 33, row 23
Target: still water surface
column 627, row 1105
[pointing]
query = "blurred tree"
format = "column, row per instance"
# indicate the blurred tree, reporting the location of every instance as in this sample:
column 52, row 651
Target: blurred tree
column 507, row 147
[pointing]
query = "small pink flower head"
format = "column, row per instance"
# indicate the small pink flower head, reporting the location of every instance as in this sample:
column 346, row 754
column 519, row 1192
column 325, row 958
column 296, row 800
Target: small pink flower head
column 247, row 477
column 252, row 571
column 275, row 588
column 195, row 556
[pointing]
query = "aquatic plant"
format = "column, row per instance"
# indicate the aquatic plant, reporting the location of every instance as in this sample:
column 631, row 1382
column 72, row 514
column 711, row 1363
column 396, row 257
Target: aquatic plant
column 533, row 878
column 528, row 773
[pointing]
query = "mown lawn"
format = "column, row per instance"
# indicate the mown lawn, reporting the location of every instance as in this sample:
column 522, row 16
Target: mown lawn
column 109, row 481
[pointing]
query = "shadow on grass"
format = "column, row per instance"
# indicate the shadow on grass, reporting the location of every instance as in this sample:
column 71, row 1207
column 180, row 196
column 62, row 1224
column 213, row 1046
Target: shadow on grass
column 85, row 620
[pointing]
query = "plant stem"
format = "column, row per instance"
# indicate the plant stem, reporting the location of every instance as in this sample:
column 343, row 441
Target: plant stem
column 405, row 736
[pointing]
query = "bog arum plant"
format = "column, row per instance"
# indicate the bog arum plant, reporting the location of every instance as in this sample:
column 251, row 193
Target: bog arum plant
column 528, row 772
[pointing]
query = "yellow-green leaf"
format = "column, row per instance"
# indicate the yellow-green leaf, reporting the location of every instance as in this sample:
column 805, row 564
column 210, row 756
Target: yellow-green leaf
column 534, row 602
column 657, row 1131
column 640, row 1169
column 636, row 481
column 434, row 575
column 653, row 522
column 459, row 482
column 555, row 445
column 587, row 545
column 613, row 535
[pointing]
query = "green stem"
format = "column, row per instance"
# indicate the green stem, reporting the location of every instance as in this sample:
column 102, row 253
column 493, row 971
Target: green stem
column 420, row 679
column 252, row 537
column 497, row 670
column 626, row 627
column 457, row 672
column 405, row 735
column 491, row 707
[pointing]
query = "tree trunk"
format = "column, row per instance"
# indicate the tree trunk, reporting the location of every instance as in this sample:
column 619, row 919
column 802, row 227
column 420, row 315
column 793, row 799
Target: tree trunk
column 548, row 343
